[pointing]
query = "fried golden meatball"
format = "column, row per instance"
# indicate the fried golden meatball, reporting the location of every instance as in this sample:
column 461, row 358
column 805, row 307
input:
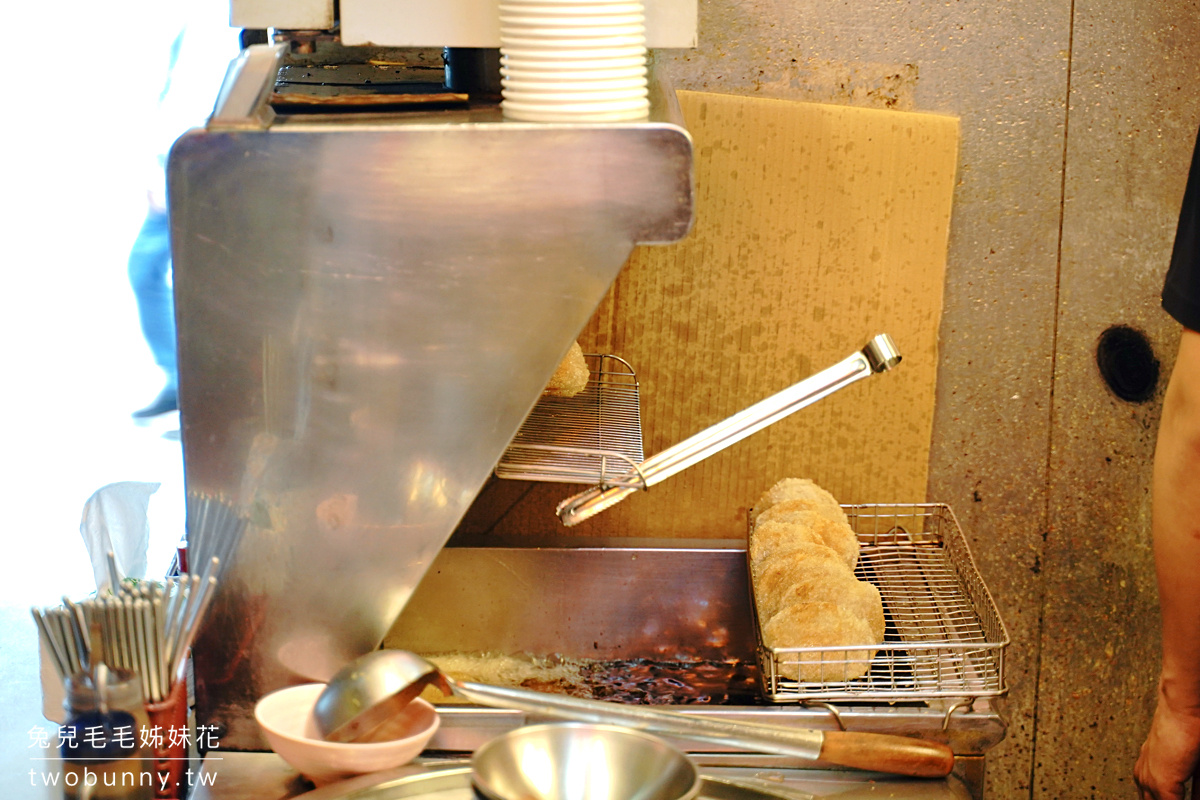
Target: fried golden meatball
column 803, row 577
column 865, row 600
column 778, row 574
column 795, row 489
column 802, row 553
column 773, row 539
column 834, row 531
column 823, row 625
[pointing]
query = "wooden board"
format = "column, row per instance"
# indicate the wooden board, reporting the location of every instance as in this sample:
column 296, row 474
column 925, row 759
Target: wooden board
column 817, row 227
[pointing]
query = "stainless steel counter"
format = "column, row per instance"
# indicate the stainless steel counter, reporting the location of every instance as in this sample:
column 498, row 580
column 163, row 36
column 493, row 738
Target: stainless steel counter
column 645, row 602
column 264, row 776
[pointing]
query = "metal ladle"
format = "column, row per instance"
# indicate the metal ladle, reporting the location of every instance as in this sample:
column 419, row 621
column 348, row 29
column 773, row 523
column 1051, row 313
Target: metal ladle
column 371, row 689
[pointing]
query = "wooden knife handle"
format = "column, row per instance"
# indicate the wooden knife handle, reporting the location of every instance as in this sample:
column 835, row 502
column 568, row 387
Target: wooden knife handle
column 882, row 752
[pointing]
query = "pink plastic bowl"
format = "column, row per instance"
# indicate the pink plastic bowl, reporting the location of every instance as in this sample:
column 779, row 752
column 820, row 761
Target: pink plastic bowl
column 287, row 720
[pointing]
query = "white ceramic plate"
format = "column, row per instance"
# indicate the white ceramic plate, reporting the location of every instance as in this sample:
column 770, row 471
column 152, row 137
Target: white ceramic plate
column 580, row 107
column 556, row 74
column 583, row 43
column 537, row 81
column 610, row 85
column 625, row 22
column 586, row 37
column 556, row 115
column 571, row 20
column 573, row 75
column 559, row 99
column 571, row 7
column 613, row 57
column 570, row 59
column 617, row 84
column 577, row 16
column 590, row 69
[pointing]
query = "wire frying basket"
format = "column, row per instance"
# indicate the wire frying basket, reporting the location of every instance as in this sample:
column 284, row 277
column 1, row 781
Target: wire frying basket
column 593, row 437
column 943, row 636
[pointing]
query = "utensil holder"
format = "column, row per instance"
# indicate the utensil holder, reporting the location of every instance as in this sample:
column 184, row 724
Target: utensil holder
column 167, row 715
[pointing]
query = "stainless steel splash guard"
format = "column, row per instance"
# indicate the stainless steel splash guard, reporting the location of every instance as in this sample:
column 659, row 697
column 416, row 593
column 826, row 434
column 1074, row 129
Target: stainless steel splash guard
column 368, row 306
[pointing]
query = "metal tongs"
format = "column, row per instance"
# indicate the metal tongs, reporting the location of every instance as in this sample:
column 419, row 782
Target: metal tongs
column 879, row 355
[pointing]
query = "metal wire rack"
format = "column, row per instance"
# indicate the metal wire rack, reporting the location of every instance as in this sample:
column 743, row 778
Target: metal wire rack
column 943, row 636
column 592, row 437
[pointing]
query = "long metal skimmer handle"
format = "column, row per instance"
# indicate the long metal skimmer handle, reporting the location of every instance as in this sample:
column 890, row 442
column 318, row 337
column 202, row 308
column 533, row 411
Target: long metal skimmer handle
column 879, row 355
column 797, row 742
column 900, row 755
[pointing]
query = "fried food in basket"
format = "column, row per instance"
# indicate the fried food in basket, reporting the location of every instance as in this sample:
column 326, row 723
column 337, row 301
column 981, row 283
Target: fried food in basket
column 773, row 540
column 865, row 600
column 571, row 376
column 797, row 489
column 807, row 565
column 802, row 553
column 821, row 625
column 799, row 578
column 834, row 531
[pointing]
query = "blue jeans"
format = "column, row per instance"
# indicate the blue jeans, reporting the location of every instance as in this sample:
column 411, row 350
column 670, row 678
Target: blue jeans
column 149, row 273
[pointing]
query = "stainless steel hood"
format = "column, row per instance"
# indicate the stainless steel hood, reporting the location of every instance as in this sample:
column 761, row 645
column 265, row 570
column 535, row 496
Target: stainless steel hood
column 368, row 307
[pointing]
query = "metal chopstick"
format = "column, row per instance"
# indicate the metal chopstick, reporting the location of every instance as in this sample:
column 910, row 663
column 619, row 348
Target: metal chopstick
column 192, row 623
column 56, row 655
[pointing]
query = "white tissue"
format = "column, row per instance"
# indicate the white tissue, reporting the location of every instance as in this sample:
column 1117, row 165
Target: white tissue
column 115, row 518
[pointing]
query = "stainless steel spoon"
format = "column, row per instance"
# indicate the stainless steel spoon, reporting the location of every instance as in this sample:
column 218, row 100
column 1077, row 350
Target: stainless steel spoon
column 369, row 690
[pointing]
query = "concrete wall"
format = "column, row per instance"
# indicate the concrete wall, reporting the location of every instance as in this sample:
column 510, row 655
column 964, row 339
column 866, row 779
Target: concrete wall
column 1078, row 120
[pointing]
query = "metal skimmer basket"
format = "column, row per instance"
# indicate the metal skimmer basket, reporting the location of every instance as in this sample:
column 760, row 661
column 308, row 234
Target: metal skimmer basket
column 943, row 637
column 592, row 437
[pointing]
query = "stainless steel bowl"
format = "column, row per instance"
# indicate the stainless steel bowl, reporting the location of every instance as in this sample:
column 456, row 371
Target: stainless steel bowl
column 578, row 761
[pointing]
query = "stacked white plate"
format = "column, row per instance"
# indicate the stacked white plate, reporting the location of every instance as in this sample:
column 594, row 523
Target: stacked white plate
column 573, row 60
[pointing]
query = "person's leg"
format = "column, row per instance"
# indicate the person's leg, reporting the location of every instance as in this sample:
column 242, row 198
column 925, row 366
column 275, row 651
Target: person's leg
column 149, row 270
